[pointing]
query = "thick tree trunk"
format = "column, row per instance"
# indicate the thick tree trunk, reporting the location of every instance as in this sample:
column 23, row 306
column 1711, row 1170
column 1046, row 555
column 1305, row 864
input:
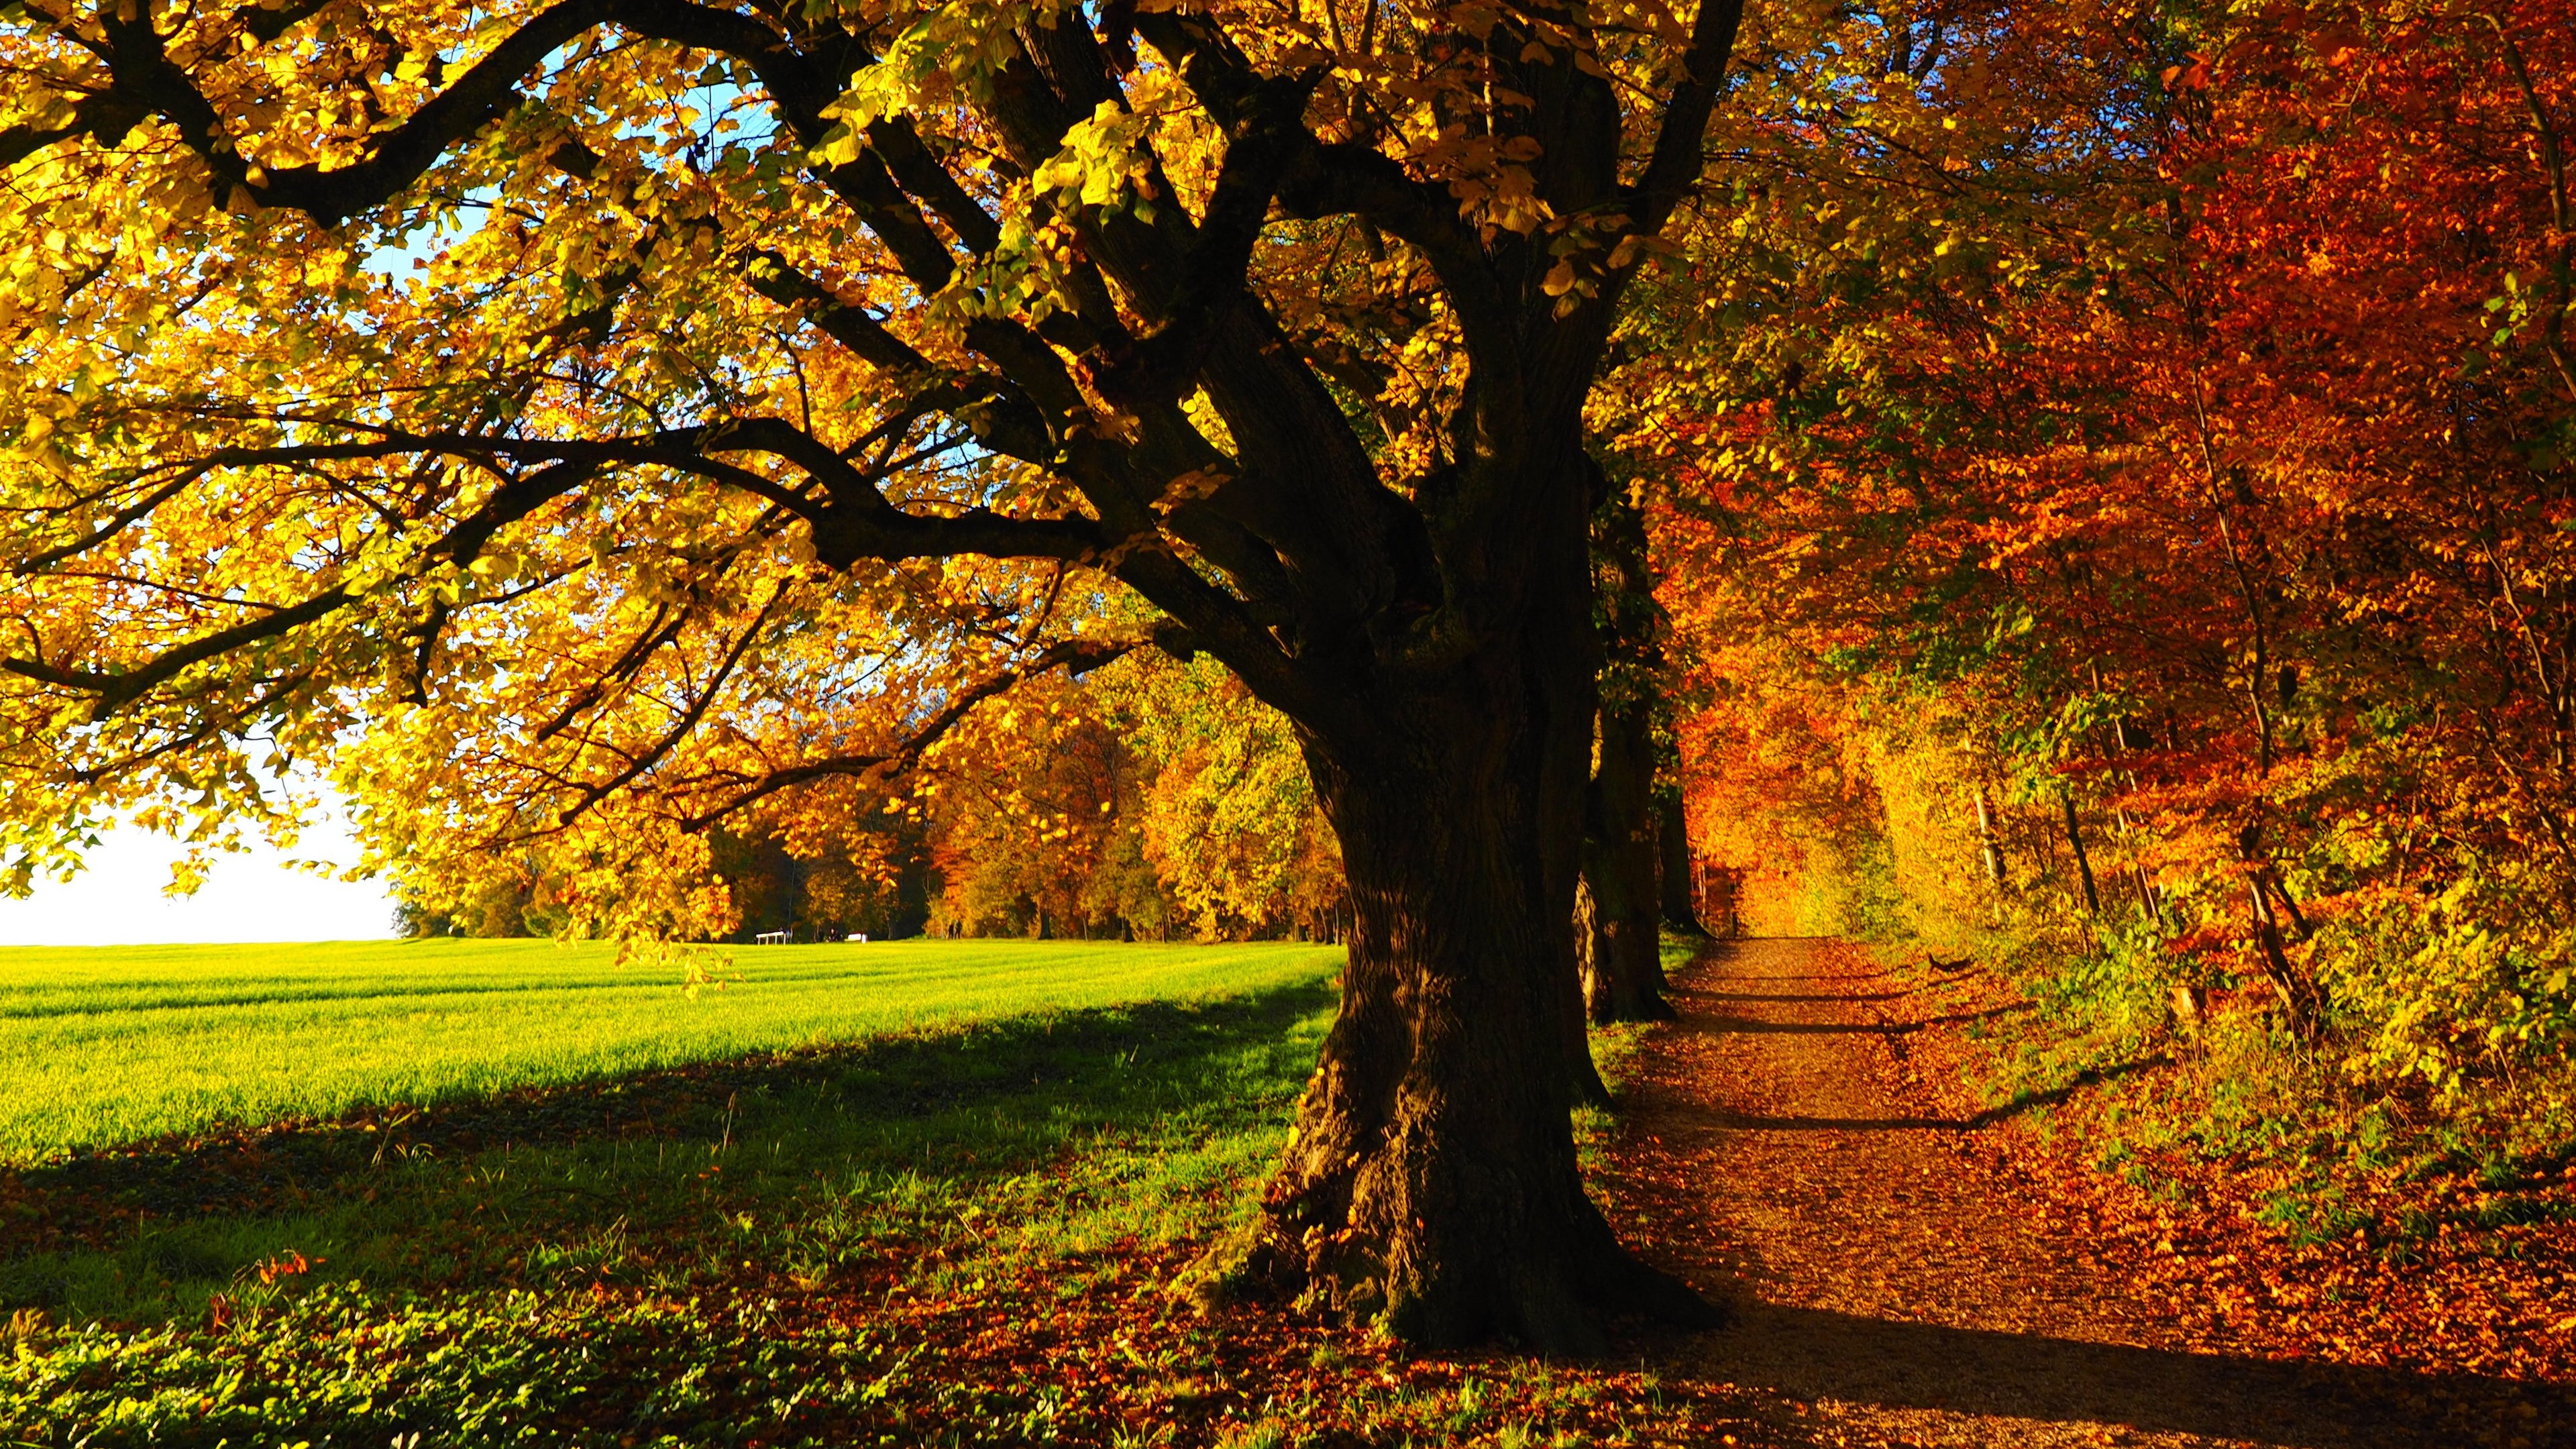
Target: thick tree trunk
column 1431, row 1177
column 1432, row 1174
column 1672, row 844
column 1625, row 979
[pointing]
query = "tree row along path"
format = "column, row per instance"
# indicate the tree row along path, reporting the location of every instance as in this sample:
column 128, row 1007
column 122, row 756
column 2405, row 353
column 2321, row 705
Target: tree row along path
column 1897, row 1285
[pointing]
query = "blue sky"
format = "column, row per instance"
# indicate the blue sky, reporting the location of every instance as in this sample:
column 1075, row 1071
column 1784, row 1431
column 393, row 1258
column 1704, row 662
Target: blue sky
column 249, row 897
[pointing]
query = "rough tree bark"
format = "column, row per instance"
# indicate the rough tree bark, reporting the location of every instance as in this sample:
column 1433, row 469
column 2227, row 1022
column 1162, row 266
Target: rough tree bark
column 1432, row 1174
column 1672, row 845
column 1624, row 976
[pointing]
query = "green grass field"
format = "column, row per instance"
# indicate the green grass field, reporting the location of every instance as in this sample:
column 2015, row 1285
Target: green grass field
column 613, row 1183
column 921, row 1193
column 105, row 1046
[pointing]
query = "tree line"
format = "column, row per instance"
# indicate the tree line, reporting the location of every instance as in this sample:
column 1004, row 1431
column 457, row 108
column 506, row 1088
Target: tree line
column 1149, row 800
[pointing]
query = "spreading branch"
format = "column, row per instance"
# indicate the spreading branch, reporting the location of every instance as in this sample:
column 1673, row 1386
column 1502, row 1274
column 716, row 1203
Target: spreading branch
column 116, row 689
column 1079, row 655
column 1674, row 165
column 596, row 791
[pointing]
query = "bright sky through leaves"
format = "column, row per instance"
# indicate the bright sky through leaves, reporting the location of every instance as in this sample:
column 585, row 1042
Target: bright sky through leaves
column 253, row 896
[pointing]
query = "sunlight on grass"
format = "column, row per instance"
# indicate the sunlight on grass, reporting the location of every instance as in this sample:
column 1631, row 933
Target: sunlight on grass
column 981, row 1148
column 105, row 1046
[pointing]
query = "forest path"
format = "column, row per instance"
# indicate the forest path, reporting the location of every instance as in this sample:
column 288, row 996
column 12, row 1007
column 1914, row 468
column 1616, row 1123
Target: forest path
column 1896, row 1286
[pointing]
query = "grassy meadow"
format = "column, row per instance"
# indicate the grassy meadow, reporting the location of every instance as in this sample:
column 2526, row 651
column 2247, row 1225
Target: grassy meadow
column 594, row 1170
column 105, row 1046
column 468, row 1194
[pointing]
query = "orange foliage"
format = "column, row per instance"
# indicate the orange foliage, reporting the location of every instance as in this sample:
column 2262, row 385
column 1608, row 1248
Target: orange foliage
column 2176, row 469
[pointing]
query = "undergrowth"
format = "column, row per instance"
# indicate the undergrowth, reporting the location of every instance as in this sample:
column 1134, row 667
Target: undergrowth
column 2156, row 1081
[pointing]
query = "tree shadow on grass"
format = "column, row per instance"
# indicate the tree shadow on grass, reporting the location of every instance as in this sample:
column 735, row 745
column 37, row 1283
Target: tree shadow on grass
column 1102, row 1069
column 1816, row 1354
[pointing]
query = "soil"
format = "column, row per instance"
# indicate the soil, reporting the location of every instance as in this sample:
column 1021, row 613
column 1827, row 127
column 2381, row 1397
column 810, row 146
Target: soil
column 1898, row 1285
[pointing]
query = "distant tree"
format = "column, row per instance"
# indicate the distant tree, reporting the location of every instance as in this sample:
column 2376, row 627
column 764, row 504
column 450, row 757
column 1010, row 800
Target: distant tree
column 1223, row 811
column 1021, row 810
column 822, row 889
column 1623, row 975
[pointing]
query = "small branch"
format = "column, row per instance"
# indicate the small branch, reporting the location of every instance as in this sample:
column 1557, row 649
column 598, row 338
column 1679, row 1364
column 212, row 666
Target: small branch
column 2553, row 160
column 664, row 628
column 512, row 501
column 127, row 516
column 1674, row 164
column 114, row 691
column 593, row 793
column 1082, row 655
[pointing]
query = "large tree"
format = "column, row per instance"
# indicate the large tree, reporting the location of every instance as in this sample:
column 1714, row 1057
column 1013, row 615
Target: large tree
column 774, row 373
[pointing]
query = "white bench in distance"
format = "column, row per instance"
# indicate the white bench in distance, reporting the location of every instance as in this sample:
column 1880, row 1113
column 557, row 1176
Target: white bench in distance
column 770, row 938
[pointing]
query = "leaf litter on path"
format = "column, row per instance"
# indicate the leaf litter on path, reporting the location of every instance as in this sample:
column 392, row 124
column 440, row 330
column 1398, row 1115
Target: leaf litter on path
column 1914, row 1270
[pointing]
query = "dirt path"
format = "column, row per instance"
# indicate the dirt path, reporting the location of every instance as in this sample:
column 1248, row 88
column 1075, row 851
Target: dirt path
column 1894, row 1283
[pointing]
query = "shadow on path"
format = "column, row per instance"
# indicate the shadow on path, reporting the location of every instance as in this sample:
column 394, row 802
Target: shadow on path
column 1758, row 1122
column 2305, row 1404
column 1761, row 996
column 1904, row 1292
column 1818, row 1028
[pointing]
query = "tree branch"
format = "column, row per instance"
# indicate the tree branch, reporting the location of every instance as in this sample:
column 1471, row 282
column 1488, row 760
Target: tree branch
column 127, row 516
column 596, row 791
column 1082, row 655
column 106, row 116
column 802, row 90
column 116, row 689
column 1270, row 137
column 1002, row 417
column 1674, row 164
column 1338, row 179
column 1318, row 179
column 146, row 77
